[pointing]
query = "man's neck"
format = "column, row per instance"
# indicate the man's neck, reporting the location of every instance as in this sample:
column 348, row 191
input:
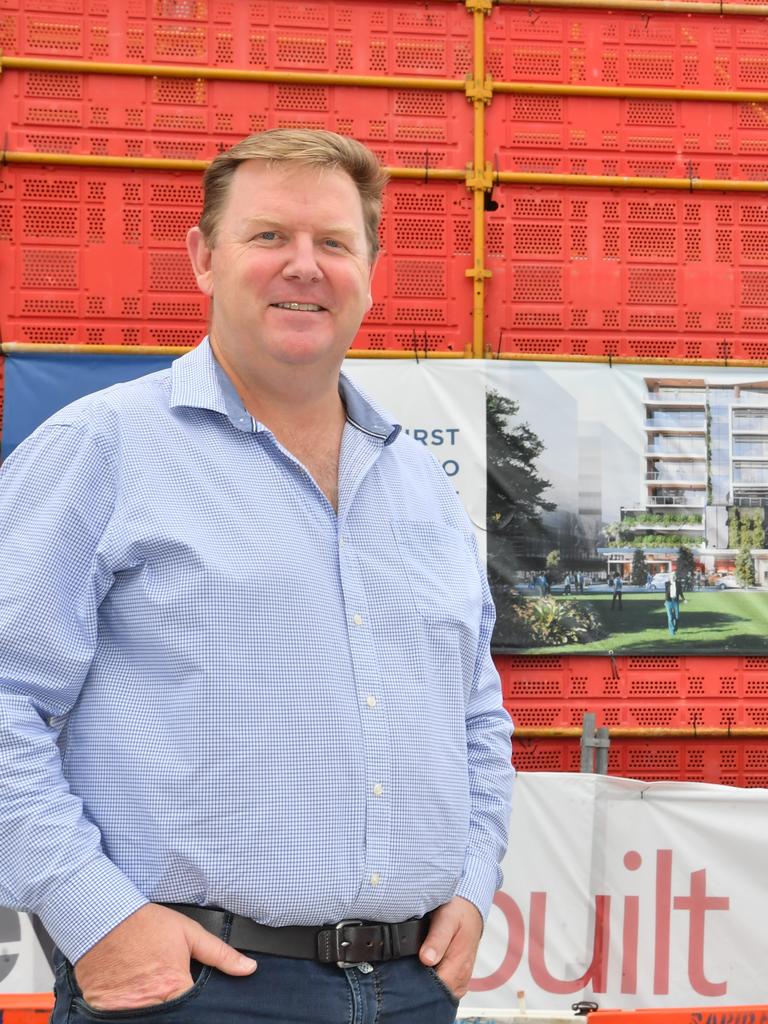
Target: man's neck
column 290, row 401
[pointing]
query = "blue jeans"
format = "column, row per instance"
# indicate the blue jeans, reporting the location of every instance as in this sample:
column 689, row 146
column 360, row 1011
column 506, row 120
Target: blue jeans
column 673, row 614
column 282, row 991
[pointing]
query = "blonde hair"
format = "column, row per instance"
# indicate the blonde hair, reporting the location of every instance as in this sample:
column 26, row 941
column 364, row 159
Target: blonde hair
column 304, row 147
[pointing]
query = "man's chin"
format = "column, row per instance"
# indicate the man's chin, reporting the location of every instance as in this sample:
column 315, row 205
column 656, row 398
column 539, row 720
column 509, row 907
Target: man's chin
column 304, row 350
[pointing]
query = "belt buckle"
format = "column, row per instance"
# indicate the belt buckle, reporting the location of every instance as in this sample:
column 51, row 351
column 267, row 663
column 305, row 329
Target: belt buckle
column 339, row 926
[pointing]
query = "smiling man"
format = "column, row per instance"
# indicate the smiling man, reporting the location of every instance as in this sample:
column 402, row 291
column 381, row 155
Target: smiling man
column 256, row 763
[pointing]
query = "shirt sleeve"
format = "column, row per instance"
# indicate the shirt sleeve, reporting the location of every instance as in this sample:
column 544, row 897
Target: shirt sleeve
column 491, row 775
column 56, row 499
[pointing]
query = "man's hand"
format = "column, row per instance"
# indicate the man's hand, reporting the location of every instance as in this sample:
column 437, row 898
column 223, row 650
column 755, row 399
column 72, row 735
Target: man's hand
column 145, row 960
column 451, row 943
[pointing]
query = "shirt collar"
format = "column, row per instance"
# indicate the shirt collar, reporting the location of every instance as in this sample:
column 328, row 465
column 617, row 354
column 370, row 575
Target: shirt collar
column 195, row 381
column 198, row 381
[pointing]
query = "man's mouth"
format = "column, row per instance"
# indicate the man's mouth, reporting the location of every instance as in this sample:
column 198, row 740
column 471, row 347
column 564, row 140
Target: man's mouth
column 300, row 307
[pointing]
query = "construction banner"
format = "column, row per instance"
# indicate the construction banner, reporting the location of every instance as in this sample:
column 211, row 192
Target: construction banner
column 622, row 509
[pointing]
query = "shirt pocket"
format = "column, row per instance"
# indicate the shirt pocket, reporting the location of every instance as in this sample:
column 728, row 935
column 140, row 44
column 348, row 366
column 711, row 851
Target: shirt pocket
column 441, row 572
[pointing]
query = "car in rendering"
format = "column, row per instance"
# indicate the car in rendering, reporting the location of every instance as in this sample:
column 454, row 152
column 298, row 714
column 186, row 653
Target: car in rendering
column 727, row 582
column 658, row 581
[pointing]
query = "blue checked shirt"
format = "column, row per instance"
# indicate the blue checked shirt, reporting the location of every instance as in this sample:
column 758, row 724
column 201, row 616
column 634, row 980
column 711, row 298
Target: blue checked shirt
column 214, row 689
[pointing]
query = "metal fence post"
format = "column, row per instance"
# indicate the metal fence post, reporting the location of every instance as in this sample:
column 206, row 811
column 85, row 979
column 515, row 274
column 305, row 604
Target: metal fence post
column 587, row 742
column 602, row 745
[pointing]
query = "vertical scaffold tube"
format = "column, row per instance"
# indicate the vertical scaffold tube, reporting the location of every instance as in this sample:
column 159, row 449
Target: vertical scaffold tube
column 478, row 280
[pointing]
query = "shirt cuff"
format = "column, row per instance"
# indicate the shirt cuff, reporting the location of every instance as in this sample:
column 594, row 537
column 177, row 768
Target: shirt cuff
column 87, row 906
column 479, row 882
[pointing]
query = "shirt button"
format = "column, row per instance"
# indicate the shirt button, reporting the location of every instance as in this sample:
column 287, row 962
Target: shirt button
column 375, row 878
column 358, row 619
column 370, row 701
column 378, row 789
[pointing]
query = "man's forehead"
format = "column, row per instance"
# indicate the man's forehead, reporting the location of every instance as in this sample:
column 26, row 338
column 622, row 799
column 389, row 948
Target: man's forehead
column 263, row 193
column 277, row 171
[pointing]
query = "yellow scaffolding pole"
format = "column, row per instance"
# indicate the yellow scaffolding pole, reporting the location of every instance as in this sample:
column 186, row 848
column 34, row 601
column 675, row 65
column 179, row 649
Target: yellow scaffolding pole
column 11, row 348
column 228, row 74
column 170, row 164
column 643, row 733
column 479, row 93
column 381, row 81
column 481, row 182
column 661, row 6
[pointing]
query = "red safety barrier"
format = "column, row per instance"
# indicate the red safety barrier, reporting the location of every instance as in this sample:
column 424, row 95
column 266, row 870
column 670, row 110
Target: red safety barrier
column 645, row 692
column 69, row 228
column 189, row 119
column 634, row 274
column 693, row 1015
column 630, row 48
column 33, row 1008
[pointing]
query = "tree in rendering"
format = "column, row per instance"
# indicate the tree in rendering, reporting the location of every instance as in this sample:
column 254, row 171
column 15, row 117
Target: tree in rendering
column 639, row 568
column 686, row 567
column 745, row 567
column 553, row 566
column 515, row 500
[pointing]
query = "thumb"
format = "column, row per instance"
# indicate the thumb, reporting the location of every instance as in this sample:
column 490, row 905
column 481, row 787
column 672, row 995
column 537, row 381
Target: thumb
column 441, row 932
column 208, row 949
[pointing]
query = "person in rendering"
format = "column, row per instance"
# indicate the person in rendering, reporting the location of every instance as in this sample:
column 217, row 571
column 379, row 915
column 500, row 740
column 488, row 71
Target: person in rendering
column 251, row 612
column 617, row 587
column 673, row 595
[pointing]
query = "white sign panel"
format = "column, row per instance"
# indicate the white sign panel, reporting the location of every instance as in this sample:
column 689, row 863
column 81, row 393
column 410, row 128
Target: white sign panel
column 629, row 894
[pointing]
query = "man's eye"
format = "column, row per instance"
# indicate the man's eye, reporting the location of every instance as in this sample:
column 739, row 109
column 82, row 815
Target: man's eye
column 333, row 243
column 267, row 236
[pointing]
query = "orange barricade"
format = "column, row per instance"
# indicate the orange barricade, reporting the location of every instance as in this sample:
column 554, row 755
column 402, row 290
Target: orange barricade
column 691, row 1015
column 32, row 1008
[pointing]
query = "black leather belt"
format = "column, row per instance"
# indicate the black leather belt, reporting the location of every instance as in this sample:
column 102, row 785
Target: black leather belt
column 344, row 944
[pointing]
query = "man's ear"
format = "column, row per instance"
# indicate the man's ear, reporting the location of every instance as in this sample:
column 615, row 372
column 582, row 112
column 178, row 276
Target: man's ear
column 371, row 270
column 200, row 258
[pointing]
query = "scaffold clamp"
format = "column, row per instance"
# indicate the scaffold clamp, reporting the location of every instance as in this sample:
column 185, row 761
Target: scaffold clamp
column 475, row 90
column 483, row 180
column 478, row 273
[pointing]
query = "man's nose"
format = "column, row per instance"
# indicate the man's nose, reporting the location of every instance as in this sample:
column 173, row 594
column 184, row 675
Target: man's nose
column 301, row 261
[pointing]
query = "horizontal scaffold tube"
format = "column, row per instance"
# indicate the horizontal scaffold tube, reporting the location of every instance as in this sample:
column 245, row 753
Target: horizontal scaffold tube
column 11, row 348
column 661, row 6
column 645, row 733
column 424, row 174
column 560, row 357
column 381, row 81
column 229, row 74
column 146, row 163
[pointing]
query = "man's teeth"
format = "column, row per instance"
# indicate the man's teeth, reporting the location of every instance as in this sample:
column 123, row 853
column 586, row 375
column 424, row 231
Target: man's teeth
column 307, row 307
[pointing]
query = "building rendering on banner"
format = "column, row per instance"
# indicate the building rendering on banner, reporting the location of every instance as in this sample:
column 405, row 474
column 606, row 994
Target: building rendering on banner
column 706, row 457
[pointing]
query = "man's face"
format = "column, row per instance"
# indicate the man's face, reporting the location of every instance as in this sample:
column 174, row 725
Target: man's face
column 290, row 273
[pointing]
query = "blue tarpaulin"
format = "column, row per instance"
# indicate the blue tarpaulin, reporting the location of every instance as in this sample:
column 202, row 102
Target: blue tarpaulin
column 36, row 386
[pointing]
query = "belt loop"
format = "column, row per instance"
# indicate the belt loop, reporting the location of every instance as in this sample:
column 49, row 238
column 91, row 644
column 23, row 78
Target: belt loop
column 394, row 935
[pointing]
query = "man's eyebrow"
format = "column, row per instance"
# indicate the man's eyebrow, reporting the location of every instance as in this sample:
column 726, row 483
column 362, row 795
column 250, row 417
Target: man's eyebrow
column 267, row 221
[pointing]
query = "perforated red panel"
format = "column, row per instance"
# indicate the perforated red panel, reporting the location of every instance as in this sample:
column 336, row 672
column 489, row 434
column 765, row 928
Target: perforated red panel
column 636, row 137
column 650, row 692
column 172, row 118
column 70, row 229
column 632, row 273
column 362, row 38
column 631, row 48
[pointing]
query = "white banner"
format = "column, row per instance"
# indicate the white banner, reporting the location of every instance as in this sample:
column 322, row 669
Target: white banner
column 629, row 894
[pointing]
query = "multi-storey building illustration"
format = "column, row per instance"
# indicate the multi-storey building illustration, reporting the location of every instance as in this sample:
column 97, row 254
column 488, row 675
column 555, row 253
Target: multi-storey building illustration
column 706, row 456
